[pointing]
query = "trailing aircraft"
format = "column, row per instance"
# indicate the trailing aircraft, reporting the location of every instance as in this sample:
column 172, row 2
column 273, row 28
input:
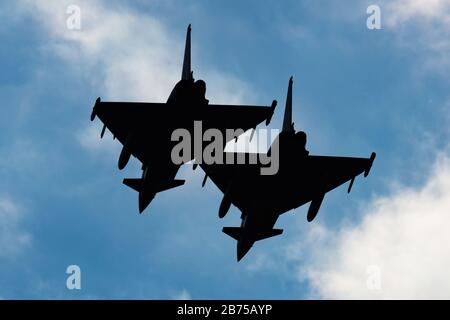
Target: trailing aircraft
column 301, row 178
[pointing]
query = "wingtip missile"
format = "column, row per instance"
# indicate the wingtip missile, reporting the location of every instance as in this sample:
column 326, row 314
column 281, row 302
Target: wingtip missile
column 93, row 113
column 372, row 158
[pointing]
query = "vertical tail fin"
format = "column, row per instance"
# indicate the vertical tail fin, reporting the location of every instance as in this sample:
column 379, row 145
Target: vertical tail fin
column 187, row 74
column 288, row 125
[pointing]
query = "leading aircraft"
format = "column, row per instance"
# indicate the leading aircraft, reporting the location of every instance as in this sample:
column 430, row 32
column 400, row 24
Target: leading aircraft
column 145, row 129
column 301, row 178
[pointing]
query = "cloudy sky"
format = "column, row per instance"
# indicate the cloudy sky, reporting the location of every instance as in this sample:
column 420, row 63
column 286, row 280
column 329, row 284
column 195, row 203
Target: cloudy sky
column 356, row 91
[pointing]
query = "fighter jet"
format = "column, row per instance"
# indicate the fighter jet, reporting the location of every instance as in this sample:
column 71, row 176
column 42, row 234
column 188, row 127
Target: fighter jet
column 145, row 129
column 301, row 178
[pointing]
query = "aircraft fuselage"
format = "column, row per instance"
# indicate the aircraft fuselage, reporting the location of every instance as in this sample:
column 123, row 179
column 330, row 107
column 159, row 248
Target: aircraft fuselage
column 185, row 99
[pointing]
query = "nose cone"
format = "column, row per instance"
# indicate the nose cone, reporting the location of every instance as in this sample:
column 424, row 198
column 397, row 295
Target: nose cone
column 242, row 248
column 144, row 200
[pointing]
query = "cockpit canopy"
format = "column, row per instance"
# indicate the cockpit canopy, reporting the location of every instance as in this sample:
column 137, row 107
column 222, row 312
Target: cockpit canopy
column 189, row 92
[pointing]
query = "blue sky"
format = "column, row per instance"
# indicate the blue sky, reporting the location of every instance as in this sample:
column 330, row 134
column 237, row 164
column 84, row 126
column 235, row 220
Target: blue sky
column 355, row 91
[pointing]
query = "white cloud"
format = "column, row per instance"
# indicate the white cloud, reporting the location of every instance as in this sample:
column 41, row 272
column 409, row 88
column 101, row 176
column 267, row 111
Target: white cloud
column 405, row 10
column 262, row 261
column 12, row 238
column 182, row 295
column 123, row 54
column 422, row 26
column 128, row 55
column 403, row 240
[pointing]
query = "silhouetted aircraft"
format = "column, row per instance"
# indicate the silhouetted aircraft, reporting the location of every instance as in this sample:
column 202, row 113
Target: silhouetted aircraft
column 145, row 129
column 301, row 178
